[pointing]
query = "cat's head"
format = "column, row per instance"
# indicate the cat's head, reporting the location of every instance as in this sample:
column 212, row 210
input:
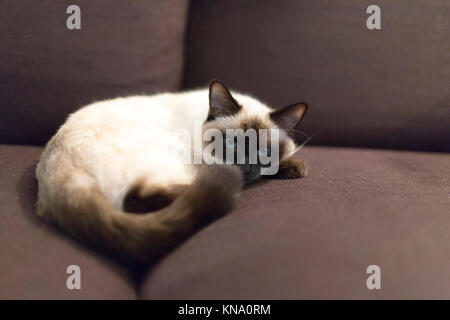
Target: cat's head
column 242, row 112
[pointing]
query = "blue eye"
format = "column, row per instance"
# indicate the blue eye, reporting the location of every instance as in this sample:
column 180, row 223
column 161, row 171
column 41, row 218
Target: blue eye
column 264, row 152
column 229, row 142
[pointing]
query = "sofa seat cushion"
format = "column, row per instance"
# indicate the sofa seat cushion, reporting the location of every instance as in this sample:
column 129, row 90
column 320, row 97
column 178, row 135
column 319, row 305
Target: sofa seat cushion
column 315, row 237
column 34, row 256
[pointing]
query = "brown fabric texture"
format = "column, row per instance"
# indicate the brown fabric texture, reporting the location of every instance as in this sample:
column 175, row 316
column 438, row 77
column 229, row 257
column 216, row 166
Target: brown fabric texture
column 306, row 238
column 34, row 256
column 48, row 71
column 314, row 237
column 385, row 88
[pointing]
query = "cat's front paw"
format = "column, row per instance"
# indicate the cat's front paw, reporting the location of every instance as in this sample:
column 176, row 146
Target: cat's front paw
column 291, row 168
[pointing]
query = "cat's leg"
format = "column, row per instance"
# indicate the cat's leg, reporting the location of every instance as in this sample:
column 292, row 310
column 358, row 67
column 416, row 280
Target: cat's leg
column 154, row 191
column 290, row 168
column 143, row 199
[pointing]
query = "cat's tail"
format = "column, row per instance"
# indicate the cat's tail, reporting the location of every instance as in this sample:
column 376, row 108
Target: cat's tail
column 144, row 237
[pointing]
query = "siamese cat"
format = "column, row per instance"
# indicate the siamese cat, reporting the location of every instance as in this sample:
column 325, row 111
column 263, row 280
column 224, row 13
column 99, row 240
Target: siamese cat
column 113, row 159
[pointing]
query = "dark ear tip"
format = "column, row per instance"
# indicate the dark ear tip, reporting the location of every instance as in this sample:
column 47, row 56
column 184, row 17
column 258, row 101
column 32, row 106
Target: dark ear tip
column 305, row 105
column 215, row 82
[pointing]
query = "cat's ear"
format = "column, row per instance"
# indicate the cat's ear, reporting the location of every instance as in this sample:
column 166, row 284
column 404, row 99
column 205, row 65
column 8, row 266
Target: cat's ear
column 221, row 102
column 290, row 116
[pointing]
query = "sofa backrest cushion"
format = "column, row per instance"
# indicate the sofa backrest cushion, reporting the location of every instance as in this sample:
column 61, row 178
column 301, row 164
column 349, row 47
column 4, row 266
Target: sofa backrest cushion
column 47, row 71
column 386, row 88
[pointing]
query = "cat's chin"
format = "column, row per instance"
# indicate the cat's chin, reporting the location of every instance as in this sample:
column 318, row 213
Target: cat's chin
column 251, row 172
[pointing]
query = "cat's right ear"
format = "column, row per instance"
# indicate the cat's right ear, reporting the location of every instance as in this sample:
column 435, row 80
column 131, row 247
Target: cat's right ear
column 290, row 116
column 221, row 102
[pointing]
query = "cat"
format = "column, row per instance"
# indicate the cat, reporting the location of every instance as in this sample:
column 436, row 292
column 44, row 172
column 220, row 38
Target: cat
column 115, row 158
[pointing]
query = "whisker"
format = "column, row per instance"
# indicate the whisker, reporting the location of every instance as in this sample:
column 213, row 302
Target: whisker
column 305, row 142
column 296, row 130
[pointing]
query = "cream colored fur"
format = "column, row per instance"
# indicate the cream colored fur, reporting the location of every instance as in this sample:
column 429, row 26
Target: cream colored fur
column 105, row 148
column 113, row 143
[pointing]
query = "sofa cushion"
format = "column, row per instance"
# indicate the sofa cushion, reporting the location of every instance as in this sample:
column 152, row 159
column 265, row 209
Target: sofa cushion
column 33, row 255
column 315, row 237
column 386, row 88
column 48, row 71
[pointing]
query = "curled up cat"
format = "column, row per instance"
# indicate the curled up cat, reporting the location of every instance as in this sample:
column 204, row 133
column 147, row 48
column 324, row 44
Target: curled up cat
column 113, row 175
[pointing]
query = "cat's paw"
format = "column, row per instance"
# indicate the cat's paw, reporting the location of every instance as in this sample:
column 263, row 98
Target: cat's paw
column 291, row 168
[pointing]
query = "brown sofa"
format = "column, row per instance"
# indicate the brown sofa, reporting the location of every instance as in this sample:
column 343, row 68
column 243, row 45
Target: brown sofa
column 378, row 189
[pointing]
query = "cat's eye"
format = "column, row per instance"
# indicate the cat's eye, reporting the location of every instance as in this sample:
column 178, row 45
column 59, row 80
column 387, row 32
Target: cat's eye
column 229, row 142
column 265, row 152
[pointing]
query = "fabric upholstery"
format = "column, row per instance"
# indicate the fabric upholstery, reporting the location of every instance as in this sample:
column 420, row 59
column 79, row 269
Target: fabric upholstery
column 385, row 88
column 34, row 256
column 48, row 71
column 307, row 238
column 314, row 237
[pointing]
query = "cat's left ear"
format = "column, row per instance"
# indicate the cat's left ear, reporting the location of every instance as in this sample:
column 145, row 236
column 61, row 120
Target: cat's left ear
column 221, row 102
column 290, row 116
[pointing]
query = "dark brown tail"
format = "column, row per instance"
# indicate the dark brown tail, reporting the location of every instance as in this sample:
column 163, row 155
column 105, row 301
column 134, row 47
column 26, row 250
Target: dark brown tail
column 144, row 237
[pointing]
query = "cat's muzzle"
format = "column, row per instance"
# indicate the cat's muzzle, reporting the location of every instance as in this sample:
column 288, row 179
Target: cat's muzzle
column 250, row 171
